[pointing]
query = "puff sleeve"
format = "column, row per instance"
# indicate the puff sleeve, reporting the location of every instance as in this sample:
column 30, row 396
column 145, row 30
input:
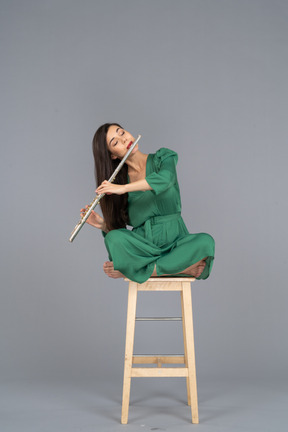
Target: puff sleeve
column 164, row 174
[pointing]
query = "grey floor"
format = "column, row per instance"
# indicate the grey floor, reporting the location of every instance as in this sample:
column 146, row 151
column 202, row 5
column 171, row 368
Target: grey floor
column 155, row 405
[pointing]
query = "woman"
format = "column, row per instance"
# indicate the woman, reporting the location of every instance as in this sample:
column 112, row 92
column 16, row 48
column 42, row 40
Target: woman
column 145, row 196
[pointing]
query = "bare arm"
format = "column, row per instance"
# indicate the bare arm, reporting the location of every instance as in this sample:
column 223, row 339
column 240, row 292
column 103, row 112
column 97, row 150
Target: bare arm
column 139, row 185
column 109, row 188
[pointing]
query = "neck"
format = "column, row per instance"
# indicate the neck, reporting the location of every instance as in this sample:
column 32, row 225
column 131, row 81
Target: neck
column 136, row 162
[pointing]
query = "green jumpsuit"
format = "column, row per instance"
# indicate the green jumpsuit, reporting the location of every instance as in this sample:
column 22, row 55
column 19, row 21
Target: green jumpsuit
column 159, row 235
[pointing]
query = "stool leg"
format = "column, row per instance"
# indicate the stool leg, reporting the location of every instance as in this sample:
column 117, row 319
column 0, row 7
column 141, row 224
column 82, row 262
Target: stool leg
column 189, row 335
column 130, row 330
column 185, row 351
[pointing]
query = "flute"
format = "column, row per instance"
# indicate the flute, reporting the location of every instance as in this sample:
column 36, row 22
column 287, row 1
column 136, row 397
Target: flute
column 98, row 197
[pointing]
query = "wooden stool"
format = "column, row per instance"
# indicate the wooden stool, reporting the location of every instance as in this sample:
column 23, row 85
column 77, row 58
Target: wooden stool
column 188, row 359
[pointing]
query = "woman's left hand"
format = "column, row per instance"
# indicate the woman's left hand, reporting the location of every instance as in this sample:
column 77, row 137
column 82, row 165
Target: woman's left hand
column 110, row 188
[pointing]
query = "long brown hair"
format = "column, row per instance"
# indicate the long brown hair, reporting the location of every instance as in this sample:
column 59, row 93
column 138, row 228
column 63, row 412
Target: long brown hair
column 114, row 207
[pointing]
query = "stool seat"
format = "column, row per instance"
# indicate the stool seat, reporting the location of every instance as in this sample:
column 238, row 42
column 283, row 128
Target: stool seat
column 188, row 370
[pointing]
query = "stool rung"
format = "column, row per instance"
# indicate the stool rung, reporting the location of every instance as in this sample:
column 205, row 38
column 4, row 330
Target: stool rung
column 156, row 359
column 158, row 319
column 159, row 372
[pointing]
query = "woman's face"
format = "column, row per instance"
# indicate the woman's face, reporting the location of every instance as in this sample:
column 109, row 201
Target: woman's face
column 119, row 141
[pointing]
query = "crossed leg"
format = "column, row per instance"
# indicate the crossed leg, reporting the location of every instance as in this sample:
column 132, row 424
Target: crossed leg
column 194, row 270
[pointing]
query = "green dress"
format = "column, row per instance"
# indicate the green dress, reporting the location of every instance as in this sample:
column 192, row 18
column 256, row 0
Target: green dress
column 159, row 235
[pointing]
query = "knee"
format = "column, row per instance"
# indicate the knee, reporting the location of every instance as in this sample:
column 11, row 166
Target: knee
column 209, row 239
column 113, row 237
column 210, row 242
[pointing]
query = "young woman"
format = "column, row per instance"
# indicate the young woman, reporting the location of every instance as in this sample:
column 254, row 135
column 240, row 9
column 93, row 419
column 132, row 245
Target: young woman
column 145, row 196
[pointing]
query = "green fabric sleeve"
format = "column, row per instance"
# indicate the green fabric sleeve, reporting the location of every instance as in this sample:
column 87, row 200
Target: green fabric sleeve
column 164, row 176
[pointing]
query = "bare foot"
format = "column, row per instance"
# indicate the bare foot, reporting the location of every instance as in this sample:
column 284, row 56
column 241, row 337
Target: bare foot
column 109, row 270
column 194, row 270
column 199, row 269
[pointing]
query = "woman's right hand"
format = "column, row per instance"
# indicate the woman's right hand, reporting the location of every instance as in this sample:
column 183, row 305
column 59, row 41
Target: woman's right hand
column 94, row 219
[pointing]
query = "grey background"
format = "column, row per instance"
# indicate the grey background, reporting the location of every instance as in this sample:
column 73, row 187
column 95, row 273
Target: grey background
column 205, row 78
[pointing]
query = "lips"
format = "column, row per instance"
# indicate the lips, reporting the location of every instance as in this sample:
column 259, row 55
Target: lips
column 129, row 145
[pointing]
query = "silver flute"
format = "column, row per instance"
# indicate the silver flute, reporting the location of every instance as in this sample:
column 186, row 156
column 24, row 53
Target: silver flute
column 98, row 197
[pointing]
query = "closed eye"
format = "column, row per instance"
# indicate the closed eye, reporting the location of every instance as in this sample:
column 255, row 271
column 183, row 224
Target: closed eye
column 120, row 132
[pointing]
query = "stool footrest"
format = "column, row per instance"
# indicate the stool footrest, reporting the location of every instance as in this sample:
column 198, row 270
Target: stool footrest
column 159, row 372
column 156, row 359
column 158, row 319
